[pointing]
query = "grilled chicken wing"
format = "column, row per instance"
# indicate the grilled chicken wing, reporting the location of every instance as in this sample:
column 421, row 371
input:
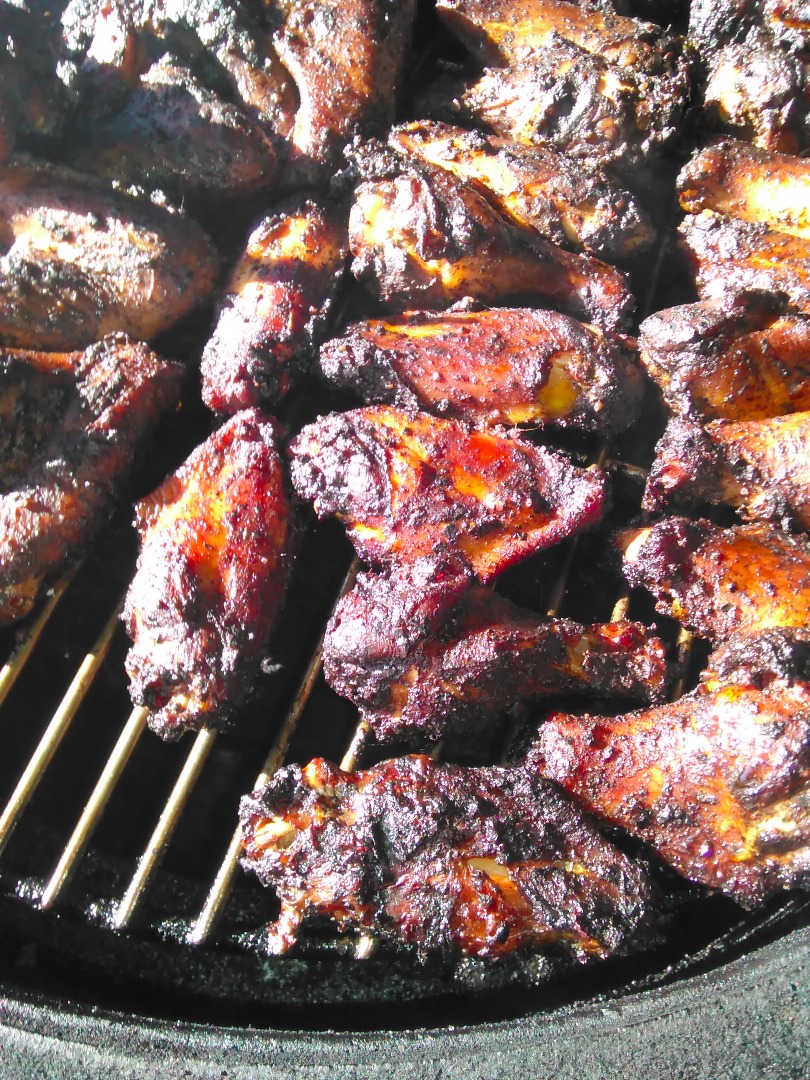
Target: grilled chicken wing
column 424, row 239
column 475, row 862
column 275, row 304
column 80, row 261
column 485, row 657
column 717, row 782
column 501, row 366
column 760, row 467
column 346, row 58
column 174, row 134
column 728, row 256
column 750, row 184
column 745, row 357
column 407, row 485
column 721, row 581
column 536, row 186
column 754, row 76
column 606, row 89
column 71, row 425
column 216, row 548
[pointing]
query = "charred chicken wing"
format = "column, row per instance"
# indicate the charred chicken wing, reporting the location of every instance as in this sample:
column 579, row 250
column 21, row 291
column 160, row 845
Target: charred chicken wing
column 80, row 261
column 721, row 581
column 407, row 485
column 216, row 547
column 474, row 862
column 275, row 304
column 536, row 186
column 742, row 358
column 500, row 366
column 760, row 467
column 70, row 428
column 425, row 239
column 483, row 658
column 717, row 781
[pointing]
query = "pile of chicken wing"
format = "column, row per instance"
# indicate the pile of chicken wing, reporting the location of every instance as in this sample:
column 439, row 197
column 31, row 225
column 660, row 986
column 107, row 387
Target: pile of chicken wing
column 447, row 216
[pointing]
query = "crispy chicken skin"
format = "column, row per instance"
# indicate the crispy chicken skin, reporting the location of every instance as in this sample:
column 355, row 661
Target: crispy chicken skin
column 176, row 135
column 478, row 862
column 81, row 261
column 346, row 58
column 717, row 781
column 425, row 239
column 760, row 467
column 71, row 425
column 536, row 186
column 728, row 256
column 499, row 366
column 605, row 89
column 216, row 548
column 275, row 304
column 750, row 184
column 485, row 657
column 721, row 581
column 407, row 485
column 745, row 357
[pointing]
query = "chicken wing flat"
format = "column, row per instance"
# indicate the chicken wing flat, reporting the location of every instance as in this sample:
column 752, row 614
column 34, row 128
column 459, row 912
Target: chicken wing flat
column 407, row 485
column 346, row 58
column 721, row 581
column 425, row 239
column 474, row 862
column 750, row 184
column 70, row 429
column 275, row 304
column 81, row 261
column 536, row 186
column 760, row 467
column 216, row 548
column 745, row 357
column 717, row 782
column 499, row 366
column 603, row 88
column 728, row 256
column 176, row 135
column 485, row 657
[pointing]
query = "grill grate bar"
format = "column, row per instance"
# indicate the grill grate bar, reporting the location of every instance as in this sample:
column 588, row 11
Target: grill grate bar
column 56, row 729
column 96, row 804
column 18, row 659
column 164, row 830
column 222, row 886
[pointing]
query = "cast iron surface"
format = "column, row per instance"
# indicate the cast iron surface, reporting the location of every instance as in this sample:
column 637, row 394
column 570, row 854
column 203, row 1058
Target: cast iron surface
column 747, row 1020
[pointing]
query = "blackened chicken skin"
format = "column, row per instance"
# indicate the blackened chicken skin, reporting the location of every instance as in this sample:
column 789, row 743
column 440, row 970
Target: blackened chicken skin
column 499, row 366
column 605, row 89
column 176, row 135
column 216, row 549
column 71, row 426
column 346, row 58
column 275, row 304
column 81, row 261
column 729, row 256
column 760, row 467
column 717, row 781
column 484, row 658
column 750, row 184
column 407, row 485
column 425, row 239
column 478, row 862
column 536, row 186
column 746, row 357
column 33, row 102
column 721, row 581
